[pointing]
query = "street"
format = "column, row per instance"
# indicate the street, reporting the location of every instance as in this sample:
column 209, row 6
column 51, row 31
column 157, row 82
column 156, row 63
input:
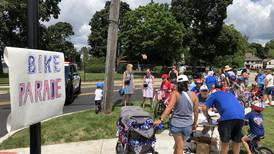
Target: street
column 82, row 102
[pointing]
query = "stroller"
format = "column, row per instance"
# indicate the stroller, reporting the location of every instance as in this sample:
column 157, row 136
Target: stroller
column 135, row 132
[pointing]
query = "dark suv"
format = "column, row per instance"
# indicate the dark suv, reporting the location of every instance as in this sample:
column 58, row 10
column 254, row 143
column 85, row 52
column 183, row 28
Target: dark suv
column 73, row 82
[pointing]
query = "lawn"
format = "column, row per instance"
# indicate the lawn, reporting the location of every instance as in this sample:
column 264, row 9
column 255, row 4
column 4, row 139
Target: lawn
column 101, row 76
column 89, row 126
column 76, row 127
column 4, row 80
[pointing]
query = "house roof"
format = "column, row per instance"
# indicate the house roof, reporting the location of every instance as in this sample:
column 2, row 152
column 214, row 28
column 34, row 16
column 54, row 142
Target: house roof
column 251, row 57
column 267, row 59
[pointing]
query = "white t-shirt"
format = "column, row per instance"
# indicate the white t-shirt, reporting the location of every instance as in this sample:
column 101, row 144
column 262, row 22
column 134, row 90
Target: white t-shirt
column 98, row 94
column 269, row 78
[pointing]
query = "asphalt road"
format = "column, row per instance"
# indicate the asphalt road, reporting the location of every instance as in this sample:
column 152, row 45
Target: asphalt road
column 82, row 102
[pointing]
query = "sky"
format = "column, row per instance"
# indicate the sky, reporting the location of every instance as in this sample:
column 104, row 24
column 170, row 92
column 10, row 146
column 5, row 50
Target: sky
column 253, row 18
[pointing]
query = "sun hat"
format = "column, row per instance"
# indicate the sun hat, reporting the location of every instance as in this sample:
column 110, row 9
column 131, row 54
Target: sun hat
column 227, row 68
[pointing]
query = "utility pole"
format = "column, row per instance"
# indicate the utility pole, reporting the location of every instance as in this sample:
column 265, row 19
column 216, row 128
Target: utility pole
column 33, row 24
column 111, row 54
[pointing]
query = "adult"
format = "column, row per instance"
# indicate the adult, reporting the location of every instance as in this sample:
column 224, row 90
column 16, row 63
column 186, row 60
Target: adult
column 210, row 81
column 173, row 74
column 148, row 87
column 128, row 84
column 268, row 83
column 245, row 76
column 183, row 103
column 231, row 121
column 198, row 84
column 203, row 95
column 260, row 79
column 230, row 76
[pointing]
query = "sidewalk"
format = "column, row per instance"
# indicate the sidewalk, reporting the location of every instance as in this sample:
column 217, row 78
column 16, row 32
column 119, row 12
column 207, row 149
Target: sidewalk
column 164, row 144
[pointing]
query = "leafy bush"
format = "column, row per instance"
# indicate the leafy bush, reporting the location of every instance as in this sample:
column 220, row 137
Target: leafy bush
column 96, row 65
column 95, row 69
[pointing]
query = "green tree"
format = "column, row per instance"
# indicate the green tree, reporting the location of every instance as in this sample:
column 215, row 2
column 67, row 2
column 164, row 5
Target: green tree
column 13, row 21
column 204, row 22
column 231, row 47
column 99, row 28
column 152, row 30
column 57, row 38
column 259, row 50
column 269, row 47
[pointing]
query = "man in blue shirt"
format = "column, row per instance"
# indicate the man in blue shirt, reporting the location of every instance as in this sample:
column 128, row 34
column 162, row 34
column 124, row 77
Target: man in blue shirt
column 260, row 80
column 231, row 121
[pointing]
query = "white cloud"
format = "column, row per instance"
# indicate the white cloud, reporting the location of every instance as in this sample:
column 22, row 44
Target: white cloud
column 254, row 18
column 79, row 12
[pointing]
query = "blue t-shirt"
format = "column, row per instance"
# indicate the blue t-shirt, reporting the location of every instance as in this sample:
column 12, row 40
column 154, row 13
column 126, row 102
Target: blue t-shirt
column 195, row 90
column 260, row 79
column 227, row 105
column 255, row 120
column 210, row 81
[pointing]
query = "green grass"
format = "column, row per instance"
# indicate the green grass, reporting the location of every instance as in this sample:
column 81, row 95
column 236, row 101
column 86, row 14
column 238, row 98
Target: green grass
column 4, row 80
column 101, row 76
column 89, row 126
column 98, row 76
column 71, row 128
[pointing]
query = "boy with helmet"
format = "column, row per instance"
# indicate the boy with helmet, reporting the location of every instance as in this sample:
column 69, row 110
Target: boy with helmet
column 255, row 121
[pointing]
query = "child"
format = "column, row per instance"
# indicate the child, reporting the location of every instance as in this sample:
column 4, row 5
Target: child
column 255, row 121
column 98, row 96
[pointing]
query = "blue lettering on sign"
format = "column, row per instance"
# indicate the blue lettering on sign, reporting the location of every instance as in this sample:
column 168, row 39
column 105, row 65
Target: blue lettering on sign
column 56, row 63
column 47, row 64
column 31, row 65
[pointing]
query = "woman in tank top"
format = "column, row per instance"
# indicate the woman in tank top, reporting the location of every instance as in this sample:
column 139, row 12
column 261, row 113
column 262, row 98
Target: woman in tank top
column 184, row 103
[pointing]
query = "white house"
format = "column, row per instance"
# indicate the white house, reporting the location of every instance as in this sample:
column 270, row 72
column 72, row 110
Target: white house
column 253, row 62
column 268, row 63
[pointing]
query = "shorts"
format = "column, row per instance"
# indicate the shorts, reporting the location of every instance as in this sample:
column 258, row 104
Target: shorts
column 231, row 130
column 251, row 137
column 261, row 87
column 268, row 90
column 186, row 131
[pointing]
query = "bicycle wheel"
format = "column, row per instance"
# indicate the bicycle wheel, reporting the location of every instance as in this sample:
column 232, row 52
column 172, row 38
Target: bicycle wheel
column 264, row 150
column 159, row 109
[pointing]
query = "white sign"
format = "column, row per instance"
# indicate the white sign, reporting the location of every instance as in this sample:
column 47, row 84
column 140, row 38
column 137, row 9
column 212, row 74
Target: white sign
column 37, row 85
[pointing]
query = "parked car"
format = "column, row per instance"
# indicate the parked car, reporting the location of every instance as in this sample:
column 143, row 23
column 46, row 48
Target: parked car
column 72, row 81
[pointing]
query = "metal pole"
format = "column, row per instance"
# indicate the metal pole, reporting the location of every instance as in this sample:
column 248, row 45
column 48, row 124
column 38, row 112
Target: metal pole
column 33, row 25
column 111, row 54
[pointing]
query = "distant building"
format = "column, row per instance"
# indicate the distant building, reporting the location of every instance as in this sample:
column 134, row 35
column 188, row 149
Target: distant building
column 268, row 63
column 253, row 62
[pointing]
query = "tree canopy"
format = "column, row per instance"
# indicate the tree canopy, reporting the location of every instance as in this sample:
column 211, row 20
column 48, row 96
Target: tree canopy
column 57, row 38
column 99, row 28
column 204, row 21
column 269, row 47
column 259, row 50
column 152, row 30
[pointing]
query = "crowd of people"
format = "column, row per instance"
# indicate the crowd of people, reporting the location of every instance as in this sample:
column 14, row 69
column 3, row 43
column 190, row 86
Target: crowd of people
column 223, row 90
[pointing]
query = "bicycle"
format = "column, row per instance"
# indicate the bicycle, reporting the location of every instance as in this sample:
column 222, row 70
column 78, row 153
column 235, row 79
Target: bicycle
column 161, row 103
column 256, row 149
